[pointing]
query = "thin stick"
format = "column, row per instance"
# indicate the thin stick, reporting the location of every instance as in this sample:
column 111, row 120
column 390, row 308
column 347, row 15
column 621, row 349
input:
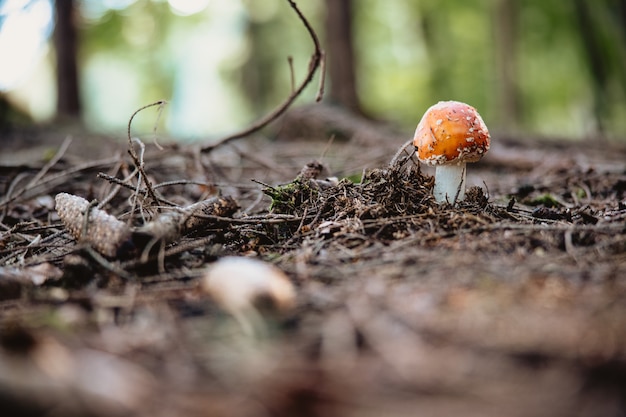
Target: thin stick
column 9, row 197
column 86, row 215
column 182, row 182
column 33, row 182
column 458, row 188
column 113, row 192
column 322, row 84
column 314, row 63
column 179, row 248
column 402, row 150
column 108, row 265
column 44, row 170
column 329, row 143
column 130, row 121
column 274, row 219
column 156, row 124
column 56, row 177
column 133, row 153
column 122, row 183
column 292, row 75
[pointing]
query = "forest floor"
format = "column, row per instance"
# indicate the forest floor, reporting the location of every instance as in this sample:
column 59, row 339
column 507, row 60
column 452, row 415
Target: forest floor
column 512, row 303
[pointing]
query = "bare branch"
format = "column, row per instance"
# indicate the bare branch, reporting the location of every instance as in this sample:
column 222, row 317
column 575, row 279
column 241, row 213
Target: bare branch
column 314, row 63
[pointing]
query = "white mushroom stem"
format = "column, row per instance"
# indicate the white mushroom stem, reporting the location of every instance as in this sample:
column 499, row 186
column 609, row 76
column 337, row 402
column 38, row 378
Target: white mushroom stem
column 450, row 183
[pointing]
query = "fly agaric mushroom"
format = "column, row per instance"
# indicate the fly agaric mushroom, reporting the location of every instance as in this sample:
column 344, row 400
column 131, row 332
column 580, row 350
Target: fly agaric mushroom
column 449, row 135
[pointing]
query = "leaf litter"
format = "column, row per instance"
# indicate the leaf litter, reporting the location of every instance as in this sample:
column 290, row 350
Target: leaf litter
column 118, row 302
column 401, row 302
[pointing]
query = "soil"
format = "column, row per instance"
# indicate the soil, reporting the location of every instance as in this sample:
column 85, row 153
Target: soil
column 511, row 303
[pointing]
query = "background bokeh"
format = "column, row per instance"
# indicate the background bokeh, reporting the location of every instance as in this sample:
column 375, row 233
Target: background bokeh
column 540, row 68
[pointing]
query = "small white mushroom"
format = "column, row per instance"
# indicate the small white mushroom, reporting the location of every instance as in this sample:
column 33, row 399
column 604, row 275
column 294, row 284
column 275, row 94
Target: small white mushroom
column 238, row 284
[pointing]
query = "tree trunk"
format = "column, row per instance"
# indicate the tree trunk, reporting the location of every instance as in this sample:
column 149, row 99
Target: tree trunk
column 505, row 25
column 65, row 42
column 340, row 55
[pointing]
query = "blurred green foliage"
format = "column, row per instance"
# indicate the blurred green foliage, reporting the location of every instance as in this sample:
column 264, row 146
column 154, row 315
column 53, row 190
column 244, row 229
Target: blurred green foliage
column 227, row 65
column 414, row 53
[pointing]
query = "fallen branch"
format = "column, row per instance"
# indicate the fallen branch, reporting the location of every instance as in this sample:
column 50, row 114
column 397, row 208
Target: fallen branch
column 316, row 59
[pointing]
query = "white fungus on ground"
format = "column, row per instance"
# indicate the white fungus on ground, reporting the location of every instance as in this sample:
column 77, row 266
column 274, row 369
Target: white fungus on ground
column 239, row 284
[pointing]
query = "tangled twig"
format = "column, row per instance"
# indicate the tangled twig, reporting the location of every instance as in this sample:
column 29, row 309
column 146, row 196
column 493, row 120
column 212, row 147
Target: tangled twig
column 133, row 154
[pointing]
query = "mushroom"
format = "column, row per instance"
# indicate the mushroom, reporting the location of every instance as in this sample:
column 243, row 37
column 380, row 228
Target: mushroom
column 450, row 135
column 241, row 285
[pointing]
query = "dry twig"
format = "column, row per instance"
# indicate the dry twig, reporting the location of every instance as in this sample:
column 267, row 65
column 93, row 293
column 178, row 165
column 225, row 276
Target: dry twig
column 314, row 63
column 133, row 154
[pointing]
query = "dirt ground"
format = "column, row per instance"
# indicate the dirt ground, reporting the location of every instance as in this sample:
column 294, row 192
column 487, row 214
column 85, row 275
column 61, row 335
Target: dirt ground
column 512, row 303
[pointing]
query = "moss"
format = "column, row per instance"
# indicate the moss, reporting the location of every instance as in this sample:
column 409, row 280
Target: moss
column 547, row 200
column 289, row 198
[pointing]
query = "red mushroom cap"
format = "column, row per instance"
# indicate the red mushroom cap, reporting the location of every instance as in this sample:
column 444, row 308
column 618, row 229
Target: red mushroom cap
column 451, row 132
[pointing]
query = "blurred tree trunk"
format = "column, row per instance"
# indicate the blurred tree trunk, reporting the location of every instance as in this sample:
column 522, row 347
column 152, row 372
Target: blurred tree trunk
column 595, row 60
column 66, row 46
column 505, row 25
column 430, row 20
column 601, row 26
column 340, row 55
